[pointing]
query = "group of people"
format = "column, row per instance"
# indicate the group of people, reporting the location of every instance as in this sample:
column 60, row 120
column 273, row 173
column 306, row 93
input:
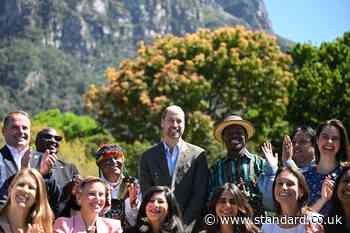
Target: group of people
column 175, row 190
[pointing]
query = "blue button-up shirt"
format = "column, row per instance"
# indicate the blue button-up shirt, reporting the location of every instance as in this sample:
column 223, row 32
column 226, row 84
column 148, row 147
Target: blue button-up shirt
column 171, row 157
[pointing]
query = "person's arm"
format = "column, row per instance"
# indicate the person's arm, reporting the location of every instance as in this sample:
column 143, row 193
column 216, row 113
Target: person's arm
column 200, row 187
column 326, row 194
column 54, row 193
column 131, row 213
column 266, row 178
column 4, row 191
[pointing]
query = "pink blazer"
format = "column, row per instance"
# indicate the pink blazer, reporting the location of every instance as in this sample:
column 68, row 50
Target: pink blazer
column 76, row 224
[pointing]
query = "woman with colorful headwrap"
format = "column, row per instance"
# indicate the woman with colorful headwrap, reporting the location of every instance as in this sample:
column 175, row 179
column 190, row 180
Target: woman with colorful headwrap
column 126, row 197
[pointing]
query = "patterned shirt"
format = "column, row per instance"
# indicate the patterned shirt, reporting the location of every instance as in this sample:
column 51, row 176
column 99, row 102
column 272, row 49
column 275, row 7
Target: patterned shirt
column 250, row 167
column 315, row 180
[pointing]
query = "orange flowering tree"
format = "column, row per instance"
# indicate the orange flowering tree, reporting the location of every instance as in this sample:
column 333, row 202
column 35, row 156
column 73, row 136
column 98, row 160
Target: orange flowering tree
column 210, row 74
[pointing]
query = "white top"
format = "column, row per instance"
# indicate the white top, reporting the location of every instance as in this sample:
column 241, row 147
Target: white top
column 274, row 228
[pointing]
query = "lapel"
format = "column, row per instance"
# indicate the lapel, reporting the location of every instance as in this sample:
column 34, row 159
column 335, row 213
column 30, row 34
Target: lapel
column 78, row 224
column 11, row 164
column 182, row 164
column 163, row 164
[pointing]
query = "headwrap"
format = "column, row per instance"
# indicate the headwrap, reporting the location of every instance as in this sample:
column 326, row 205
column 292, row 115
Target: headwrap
column 107, row 151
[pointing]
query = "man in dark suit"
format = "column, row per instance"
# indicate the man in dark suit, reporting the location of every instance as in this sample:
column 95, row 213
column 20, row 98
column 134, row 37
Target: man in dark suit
column 177, row 164
column 16, row 131
column 16, row 154
column 47, row 144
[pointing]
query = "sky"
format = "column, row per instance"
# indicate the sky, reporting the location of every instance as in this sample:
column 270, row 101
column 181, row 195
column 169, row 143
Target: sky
column 311, row 21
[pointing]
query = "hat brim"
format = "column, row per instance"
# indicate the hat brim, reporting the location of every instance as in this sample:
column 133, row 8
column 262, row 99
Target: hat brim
column 250, row 130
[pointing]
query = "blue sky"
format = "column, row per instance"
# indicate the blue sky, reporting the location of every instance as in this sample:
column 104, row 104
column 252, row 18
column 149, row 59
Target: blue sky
column 312, row 21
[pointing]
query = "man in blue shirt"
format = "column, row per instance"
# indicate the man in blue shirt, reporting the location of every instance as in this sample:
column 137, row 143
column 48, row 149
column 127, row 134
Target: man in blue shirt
column 177, row 164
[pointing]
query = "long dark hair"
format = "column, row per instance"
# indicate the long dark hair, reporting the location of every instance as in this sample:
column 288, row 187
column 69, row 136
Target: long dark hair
column 301, row 182
column 343, row 153
column 243, row 206
column 337, row 209
column 172, row 222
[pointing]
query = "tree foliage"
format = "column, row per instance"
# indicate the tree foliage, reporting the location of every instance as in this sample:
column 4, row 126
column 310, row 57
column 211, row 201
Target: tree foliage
column 209, row 74
column 323, row 82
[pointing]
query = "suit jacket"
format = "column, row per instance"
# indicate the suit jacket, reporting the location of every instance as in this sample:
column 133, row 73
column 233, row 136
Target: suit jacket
column 189, row 181
column 62, row 173
column 76, row 224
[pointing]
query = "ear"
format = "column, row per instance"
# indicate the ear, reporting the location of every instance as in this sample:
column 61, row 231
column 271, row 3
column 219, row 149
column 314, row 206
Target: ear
column 162, row 123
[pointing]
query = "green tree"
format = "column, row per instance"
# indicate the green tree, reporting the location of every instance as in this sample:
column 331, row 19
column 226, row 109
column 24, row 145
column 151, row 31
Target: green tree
column 209, row 74
column 323, row 82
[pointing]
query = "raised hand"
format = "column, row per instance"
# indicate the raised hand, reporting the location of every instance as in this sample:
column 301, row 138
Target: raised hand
column 47, row 162
column 327, row 188
column 271, row 159
column 25, row 162
column 76, row 183
column 133, row 189
column 287, row 148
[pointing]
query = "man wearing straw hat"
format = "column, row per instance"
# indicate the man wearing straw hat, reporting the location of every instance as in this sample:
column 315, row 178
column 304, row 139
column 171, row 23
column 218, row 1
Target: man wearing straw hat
column 239, row 166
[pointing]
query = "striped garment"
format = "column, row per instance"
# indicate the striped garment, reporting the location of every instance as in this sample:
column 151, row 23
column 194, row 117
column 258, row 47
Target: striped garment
column 251, row 166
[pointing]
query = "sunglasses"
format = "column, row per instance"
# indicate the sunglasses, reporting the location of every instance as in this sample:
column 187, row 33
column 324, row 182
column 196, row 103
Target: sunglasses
column 47, row 136
column 226, row 200
column 111, row 162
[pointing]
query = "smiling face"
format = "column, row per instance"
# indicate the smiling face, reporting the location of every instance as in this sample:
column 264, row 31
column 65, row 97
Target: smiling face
column 112, row 168
column 17, row 131
column 226, row 205
column 287, row 189
column 329, row 141
column 173, row 124
column 234, row 137
column 343, row 190
column 157, row 208
column 48, row 139
column 304, row 152
column 92, row 197
column 24, row 191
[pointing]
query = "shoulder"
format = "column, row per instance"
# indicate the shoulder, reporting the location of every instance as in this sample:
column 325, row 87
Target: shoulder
column 153, row 150
column 254, row 157
column 63, row 223
column 66, row 164
column 267, row 227
column 112, row 223
column 193, row 147
column 217, row 164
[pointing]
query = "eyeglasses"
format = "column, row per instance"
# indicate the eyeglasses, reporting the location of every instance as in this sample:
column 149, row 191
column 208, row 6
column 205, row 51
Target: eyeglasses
column 111, row 162
column 226, row 200
column 47, row 136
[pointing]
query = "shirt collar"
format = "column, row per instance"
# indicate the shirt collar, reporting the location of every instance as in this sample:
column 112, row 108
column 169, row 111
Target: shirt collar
column 15, row 151
column 167, row 149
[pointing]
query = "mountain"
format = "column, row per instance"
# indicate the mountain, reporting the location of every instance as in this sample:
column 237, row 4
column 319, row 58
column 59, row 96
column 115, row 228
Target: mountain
column 52, row 49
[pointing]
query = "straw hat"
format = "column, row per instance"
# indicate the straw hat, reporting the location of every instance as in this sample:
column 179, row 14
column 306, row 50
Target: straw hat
column 233, row 120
